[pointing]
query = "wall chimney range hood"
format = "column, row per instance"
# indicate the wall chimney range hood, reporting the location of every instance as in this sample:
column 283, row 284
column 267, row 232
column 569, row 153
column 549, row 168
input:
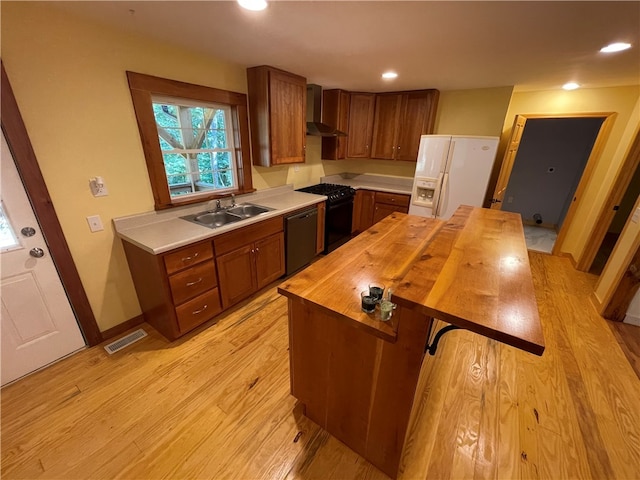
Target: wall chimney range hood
column 315, row 126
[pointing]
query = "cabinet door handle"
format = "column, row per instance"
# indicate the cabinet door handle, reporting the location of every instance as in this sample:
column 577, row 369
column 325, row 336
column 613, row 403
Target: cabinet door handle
column 257, row 249
column 191, row 284
column 187, row 259
column 197, row 312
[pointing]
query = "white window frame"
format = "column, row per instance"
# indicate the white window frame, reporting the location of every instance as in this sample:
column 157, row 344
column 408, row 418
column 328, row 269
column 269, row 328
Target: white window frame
column 193, row 171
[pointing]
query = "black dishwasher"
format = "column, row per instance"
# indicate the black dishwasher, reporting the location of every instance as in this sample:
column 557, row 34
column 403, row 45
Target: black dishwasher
column 301, row 233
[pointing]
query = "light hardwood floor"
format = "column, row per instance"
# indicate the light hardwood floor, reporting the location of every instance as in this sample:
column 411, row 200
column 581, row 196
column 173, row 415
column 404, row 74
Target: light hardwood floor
column 216, row 404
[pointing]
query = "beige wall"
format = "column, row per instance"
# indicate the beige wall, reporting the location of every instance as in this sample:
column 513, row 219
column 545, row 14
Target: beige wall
column 623, row 101
column 473, row 112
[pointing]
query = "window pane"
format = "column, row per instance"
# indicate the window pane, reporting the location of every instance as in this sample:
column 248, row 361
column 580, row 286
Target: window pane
column 8, row 238
column 222, row 160
column 191, row 138
column 197, row 118
column 224, row 178
column 174, row 163
column 172, row 136
column 205, row 168
column 166, row 115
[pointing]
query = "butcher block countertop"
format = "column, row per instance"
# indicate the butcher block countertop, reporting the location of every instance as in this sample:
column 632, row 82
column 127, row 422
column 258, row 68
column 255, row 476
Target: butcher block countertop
column 472, row 272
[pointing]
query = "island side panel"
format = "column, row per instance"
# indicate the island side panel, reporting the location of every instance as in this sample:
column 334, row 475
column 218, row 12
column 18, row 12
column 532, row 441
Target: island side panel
column 394, row 389
column 355, row 385
column 332, row 371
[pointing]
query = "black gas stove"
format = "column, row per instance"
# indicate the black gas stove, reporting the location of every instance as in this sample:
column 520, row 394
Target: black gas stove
column 339, row 212
column 332, row 191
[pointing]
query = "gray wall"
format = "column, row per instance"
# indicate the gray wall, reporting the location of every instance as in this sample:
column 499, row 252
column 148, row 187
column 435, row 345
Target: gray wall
column 550, row 160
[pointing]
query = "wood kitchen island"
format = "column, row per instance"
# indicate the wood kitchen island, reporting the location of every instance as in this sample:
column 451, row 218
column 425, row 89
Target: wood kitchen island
column 355, row 375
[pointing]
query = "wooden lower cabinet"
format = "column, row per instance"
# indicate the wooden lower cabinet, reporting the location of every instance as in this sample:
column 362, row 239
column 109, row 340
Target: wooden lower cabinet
column 178, row 290
column 387, row 203
column 363, row 208
column 370, row 207
column 237, row 274
column 269, row 258
column 249, row 259
column 184, row 288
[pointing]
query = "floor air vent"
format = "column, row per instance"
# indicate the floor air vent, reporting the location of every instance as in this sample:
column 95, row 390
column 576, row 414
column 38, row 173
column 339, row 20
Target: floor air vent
column 125, row 341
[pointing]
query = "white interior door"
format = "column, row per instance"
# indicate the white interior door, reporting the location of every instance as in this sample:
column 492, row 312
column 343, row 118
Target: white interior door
column 37, row 324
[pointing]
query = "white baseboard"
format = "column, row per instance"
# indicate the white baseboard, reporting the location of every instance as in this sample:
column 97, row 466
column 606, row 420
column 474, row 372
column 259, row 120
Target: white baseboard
column 632, row 320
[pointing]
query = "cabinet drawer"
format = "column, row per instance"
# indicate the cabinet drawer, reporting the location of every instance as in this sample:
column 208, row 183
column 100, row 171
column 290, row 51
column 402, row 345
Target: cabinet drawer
column 197, row 311
column 193, row 281
column 243, row 236
column 392, row 199
column 187, row 256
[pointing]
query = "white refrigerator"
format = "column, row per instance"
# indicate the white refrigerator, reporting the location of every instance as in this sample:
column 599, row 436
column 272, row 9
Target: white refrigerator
column 451, row 170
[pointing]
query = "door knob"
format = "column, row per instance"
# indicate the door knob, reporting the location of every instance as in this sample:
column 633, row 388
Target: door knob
column 36, row 252
column 28, row 231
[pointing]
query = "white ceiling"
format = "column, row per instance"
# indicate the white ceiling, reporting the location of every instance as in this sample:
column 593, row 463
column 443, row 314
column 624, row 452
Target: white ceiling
column 447, row 45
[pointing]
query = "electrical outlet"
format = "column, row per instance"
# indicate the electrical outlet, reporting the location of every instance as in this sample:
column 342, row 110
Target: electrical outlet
column 636, row 216
column 98, row 187
column 95, row 223
column 510, row 199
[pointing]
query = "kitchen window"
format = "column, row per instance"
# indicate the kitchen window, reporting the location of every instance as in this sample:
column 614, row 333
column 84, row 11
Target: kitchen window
column 195, row 140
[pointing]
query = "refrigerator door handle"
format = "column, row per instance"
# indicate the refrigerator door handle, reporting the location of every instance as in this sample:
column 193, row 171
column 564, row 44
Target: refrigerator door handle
column 436, row 196
column 443, row 194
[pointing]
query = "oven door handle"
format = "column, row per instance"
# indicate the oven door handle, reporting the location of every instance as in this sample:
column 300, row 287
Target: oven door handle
column 339, row 203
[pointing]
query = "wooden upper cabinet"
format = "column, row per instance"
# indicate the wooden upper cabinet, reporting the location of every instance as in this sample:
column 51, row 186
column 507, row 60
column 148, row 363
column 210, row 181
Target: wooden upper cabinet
column 277, row 115
column 335, row 113
column 385, row 125
column 361, row 110
column 417, row 118
column 400, row 119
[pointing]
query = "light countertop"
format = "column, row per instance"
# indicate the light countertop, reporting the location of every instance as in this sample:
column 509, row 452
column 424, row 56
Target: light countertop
column 159, row 232
column 368, row 181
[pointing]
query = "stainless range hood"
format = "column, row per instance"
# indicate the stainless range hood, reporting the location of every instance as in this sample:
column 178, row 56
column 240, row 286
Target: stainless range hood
column 314, row 115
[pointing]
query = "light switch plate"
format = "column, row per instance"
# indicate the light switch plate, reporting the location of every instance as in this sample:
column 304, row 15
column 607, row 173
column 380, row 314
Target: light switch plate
column 95, row 223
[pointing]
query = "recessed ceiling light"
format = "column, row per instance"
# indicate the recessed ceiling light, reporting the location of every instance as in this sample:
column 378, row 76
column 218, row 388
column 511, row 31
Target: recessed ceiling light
column 570, row 86
column 389, row 75
column 615, row 47
column 254, row 5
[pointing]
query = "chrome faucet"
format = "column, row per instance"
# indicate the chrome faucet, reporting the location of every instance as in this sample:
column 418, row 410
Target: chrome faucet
column 233, row 199
column 218, row 206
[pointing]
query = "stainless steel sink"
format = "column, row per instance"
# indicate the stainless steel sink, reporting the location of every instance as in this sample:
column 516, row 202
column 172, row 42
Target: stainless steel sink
column 226, row 216
column 248, row 210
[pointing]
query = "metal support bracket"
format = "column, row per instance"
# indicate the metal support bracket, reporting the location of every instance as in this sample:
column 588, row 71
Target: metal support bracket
column 434, row 345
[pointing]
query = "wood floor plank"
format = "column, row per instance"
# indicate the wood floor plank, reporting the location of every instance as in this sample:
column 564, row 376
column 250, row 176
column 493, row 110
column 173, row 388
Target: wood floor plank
column 216, row 404
column 628, row 337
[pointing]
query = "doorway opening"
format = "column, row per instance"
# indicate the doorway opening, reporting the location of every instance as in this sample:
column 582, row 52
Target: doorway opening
column 623, row 212
column 549, row 179
column 551, row 159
